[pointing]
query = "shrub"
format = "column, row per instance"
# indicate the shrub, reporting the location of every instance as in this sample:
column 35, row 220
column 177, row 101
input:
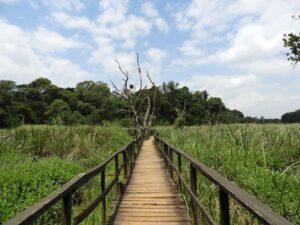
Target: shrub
column 30, row 181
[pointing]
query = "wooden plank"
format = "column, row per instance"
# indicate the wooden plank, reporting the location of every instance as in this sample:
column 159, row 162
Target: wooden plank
column 152, row 214
column 151, row 195
column 153, row 210
column 151, row 198
column 153, row 219
column 149, row 223
column 151, row 207
column 148, row 203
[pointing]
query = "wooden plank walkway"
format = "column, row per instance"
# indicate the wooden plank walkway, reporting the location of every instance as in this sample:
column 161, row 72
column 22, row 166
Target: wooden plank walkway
column 151, row 196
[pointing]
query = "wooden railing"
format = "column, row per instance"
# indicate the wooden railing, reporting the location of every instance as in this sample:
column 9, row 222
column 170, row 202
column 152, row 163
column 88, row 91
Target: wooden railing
column 64, row 193
column 226, row 189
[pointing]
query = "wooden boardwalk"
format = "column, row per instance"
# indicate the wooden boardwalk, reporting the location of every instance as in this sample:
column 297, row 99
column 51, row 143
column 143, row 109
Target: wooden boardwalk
column 151, row 196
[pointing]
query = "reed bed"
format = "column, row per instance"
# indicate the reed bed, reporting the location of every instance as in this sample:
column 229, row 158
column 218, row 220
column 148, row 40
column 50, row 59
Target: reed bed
column 264, row 160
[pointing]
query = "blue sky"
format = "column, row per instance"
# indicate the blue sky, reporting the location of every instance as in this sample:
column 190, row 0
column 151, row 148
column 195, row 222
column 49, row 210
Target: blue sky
column 231, row 48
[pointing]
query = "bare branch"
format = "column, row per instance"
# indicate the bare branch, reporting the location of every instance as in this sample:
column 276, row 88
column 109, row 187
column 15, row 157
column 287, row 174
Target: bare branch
column 153, row 110
column 141, row 78
column 120, row 68
column 141, row 105
column 139, row 70
column 147, row 112
column 115, row 87
column 150, row 79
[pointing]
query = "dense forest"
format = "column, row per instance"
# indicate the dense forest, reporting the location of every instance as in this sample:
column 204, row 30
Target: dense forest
column 41, row 102
column 291, row 117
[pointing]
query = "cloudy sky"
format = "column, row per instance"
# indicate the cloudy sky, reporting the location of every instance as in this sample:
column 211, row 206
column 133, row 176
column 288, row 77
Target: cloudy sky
column 231, row 48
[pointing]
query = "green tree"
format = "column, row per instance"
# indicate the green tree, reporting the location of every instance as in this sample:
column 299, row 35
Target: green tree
column 198, row 112
column 70, row 97
column 85, row 108
column 215, row 108
column 58, row 110
column 7, row 117
column 292, row 41
column 94, row 93
column 291, row 117
column 23, row 112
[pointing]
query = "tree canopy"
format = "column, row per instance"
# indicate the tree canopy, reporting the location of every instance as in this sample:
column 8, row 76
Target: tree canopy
column 41, row 102
column 291, row 117
column 292, row 42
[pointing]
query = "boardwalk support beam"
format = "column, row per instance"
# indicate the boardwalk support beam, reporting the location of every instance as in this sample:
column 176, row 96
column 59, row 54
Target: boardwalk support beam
column 116, row 175
column 180, row 170
column 224, row 207
column 193, row 177
column 103, row 209
column 67, row 209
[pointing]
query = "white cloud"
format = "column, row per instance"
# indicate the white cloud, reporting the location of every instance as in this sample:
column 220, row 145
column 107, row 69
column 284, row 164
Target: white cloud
column 20, row 62
column 247, row 36
column 161, row 25
column 74, row 22
column 154, row 62
column 67, row 5
column 45, row 40
column 222, row 84
column 64, row 72
column 156, row 55
column 149, row 10
column 116, row 23
column 250, row 31
column 189, row 48
column 115, row 32
column 269, row 67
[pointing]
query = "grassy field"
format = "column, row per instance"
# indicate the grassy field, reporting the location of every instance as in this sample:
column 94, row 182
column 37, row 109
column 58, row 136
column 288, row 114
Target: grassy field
column 264, row 160
column 36, row 160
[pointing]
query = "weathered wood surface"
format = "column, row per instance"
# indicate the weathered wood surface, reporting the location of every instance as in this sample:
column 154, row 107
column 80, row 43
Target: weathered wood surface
column 151, row 196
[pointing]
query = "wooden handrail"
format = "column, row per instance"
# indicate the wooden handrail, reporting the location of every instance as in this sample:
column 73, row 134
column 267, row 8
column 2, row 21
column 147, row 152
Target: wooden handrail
column 64, row 193
column 226, row 188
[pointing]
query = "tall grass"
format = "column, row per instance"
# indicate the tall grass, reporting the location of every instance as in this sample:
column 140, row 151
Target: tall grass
column 264, row 160
column 36, row 160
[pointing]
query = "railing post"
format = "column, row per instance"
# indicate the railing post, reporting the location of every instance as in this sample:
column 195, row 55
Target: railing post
column 179, row 169
column 135, row 150
column 171, row 159
column 193, row 177
column 67, row 209
column 129, row 159
column 132, row 156
column 125, row 165
column 116, row 174
column 103, row 213
column 224, row 207
column 166, row 150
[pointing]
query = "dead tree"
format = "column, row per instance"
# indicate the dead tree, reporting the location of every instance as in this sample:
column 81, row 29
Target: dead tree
column 141, row 101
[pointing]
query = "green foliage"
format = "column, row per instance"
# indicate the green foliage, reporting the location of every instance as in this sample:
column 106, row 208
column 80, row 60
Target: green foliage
column 292, row 42
column 261, row 159
column 291, row 117
column 85, row 108
column 36, row 160
column 25, row 183
column 179, row 121
column 41, row 102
